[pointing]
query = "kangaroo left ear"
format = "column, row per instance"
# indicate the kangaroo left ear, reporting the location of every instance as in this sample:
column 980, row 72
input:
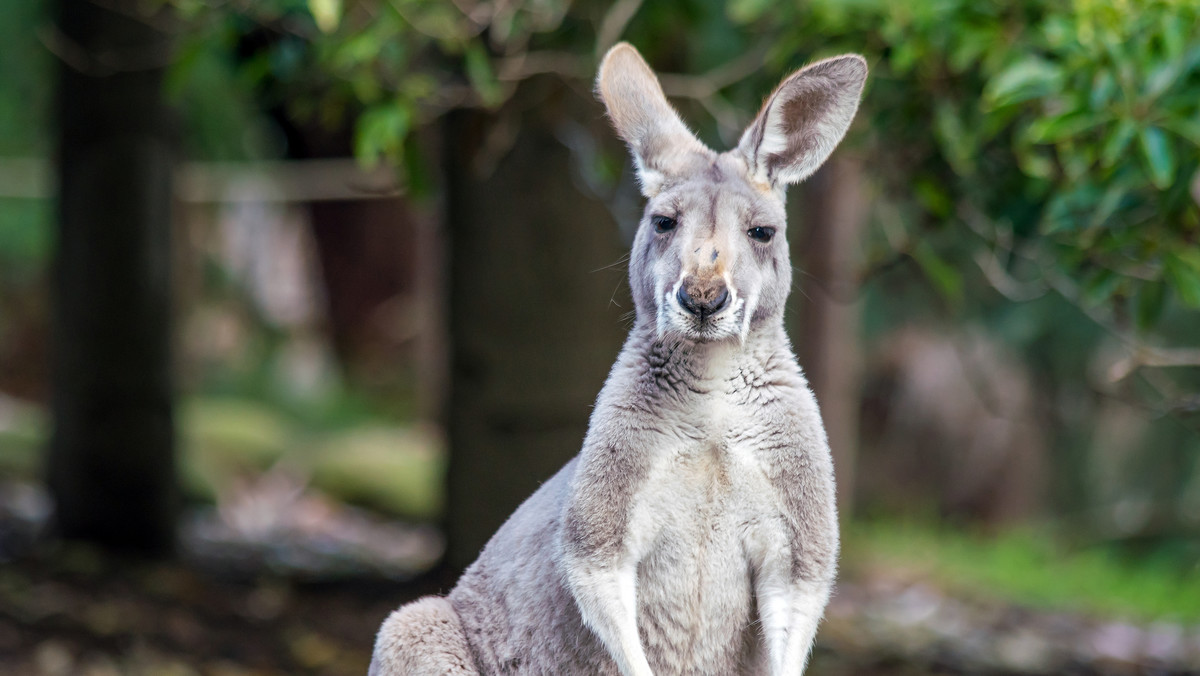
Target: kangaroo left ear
column 804, row 120
column 659, row 141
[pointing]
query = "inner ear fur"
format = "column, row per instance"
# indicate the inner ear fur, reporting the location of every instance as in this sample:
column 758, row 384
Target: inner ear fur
column 803, row 120
column 658, row 139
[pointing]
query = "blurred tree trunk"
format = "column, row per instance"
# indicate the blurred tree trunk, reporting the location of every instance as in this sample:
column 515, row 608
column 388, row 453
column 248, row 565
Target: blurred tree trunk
column 533, row 325
column 111, row 464
column 830, row 214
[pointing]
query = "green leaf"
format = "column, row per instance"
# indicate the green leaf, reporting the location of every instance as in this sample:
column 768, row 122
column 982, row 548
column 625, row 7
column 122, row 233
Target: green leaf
column 1184, row 276
column 1051, row 129
column 479, row 72
column 1159, row 156
column 747, row 11
column 934, row 197
column 1058, row 30
column 1030, row 78
column 1103, row 87
column 1188, row 128
column 1174, row 32
column 945, row 279
column 1100, row 286
column 1107, row 205
column 1036, row 163
column 1118, row 139
column 957, row 143
column 1151, row 299
column 1190, row 255
column 1069, row 210
column 970, row 44
column 381, row 130
column 1161, row 78
column 365, row 86
column 904, row 56
column 362, row 49
column 327, row 14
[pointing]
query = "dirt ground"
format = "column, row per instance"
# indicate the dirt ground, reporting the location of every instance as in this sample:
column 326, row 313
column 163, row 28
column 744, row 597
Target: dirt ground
column 69, row 610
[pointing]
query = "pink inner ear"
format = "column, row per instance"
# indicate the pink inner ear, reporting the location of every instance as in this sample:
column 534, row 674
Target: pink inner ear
column 799, row 115
column 804, row 120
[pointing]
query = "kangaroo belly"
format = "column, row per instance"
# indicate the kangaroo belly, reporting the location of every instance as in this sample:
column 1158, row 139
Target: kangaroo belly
column 695, row 602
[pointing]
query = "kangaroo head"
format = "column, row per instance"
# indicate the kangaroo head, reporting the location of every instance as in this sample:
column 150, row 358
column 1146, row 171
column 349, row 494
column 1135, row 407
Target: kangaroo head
column 710, row 259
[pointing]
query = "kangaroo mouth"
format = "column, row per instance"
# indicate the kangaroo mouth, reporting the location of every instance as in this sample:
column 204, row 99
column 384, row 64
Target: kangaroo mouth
column 703, row 327
column 705, row 324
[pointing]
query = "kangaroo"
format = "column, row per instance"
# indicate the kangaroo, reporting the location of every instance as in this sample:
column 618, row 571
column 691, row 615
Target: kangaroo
column 696, row 530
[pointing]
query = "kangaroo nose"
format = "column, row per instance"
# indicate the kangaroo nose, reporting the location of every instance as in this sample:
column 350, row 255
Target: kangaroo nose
column 703, row 298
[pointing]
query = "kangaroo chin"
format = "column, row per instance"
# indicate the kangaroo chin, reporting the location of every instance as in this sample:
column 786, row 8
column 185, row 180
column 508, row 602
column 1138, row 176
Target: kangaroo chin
column 696, row 531
column 679, row 318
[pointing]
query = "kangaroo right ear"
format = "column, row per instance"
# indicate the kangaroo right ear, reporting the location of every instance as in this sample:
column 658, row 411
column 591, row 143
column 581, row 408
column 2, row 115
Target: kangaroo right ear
column 658, row 139
column 803, row 120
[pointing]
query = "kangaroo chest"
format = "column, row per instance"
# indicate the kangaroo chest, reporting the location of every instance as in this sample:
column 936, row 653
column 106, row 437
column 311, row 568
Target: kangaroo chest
column 706, row 506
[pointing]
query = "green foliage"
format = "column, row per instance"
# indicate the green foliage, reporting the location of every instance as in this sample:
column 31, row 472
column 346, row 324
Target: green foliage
column 24, row 238
column 389, row 67
column 24, row 71
column 25, row 95
column 1069, row 132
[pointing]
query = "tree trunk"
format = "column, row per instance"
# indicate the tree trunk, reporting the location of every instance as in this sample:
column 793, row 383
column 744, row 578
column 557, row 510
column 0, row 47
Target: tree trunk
column 830, row 214
column 533, row 323
column 111, row 467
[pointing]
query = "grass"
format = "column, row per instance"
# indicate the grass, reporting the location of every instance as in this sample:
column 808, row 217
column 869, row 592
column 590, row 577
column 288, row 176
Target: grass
column 1030, row 567
column 393, row 467
column 396, row 470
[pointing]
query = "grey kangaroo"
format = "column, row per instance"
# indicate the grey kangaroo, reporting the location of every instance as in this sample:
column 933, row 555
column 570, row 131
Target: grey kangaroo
column 696, row 531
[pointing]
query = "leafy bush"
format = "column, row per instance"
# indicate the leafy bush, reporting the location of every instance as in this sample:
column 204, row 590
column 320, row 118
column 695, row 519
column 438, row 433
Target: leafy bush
column 1065, row 135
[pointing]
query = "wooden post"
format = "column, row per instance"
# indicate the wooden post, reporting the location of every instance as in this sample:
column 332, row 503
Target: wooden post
column 830, row 212
column 111, row 465
column 533, row 326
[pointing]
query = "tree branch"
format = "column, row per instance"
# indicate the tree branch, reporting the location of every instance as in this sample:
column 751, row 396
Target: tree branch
column 566, row 64
column 1139, row 354
column 707, row 84
column 101, row 63
column 613, row 24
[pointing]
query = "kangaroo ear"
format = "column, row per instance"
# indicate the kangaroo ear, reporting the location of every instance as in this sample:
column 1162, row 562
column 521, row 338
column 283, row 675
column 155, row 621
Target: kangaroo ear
column 661, row 144
column 803, row 120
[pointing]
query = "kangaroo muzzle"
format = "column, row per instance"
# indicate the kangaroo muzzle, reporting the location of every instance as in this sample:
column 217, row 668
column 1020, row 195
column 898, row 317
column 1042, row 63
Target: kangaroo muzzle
column 703, row 296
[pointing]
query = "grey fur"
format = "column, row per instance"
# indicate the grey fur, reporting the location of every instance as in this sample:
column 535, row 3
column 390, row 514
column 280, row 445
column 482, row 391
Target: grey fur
column 696, row 531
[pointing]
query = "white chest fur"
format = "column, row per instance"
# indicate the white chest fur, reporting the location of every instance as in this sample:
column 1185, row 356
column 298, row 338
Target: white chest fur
column 699, row 526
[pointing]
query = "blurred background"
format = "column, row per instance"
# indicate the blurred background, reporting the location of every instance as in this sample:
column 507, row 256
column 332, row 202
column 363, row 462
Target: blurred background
column 299, row 299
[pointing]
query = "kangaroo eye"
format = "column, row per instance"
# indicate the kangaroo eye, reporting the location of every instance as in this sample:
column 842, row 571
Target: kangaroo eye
column 761, row 234
column 663, row 223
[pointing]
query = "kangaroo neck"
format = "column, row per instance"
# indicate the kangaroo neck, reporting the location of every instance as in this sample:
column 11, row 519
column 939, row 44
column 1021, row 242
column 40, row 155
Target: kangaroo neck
column 674, row 363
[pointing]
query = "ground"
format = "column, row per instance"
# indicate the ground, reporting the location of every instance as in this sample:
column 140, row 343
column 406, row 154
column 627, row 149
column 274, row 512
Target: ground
column 70, row 610
column 282, row 578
